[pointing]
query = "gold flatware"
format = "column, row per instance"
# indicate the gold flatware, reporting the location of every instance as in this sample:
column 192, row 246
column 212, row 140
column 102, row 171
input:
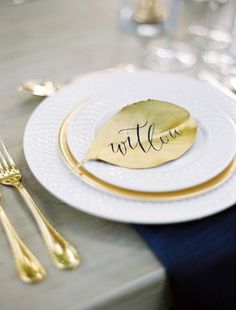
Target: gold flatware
column 29, row 268
column 98, row 183
column 64, row 255
column 47, row 88
column 39, row 87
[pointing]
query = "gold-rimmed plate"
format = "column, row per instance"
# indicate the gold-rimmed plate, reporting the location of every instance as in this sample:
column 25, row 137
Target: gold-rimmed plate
column 100, row 184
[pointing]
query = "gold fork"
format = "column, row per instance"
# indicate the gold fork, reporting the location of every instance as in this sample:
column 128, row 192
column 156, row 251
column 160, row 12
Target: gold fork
column 64, row 255
column 29, row 268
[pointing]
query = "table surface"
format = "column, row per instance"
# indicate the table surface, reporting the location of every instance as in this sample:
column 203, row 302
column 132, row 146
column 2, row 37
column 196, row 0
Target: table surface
column 57, row 39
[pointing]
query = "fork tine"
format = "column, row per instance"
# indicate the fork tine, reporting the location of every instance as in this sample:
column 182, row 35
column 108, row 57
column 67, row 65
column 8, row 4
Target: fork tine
column 7, row 159
column 3, row 162
column 1, row 167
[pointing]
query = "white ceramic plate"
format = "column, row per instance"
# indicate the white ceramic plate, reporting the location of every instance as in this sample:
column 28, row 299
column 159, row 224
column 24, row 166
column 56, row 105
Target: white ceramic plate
column 42, row 152
column 210, row 154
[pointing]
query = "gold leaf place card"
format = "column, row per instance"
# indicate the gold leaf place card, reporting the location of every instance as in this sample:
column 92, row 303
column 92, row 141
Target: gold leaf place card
column 144, row 134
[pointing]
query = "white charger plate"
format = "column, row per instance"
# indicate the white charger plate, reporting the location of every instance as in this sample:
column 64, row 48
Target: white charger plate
column 210, row 154
column 42, row 152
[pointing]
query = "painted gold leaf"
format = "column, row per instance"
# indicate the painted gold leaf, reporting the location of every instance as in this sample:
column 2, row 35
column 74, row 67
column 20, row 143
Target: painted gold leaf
column 144, row 134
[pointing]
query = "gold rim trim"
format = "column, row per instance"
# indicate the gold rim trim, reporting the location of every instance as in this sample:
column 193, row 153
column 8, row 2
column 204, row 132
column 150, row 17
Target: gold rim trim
column 98, row 183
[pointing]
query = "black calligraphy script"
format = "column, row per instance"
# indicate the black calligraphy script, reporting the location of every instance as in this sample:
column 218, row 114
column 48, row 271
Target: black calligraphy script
column 155, row 144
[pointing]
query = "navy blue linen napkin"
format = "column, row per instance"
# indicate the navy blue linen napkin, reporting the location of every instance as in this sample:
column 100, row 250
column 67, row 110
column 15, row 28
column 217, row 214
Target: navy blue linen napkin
column 199, row 258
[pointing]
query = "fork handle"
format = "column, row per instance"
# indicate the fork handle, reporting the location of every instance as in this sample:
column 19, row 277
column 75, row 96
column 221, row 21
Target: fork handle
column 29, row 268
column 64, row 255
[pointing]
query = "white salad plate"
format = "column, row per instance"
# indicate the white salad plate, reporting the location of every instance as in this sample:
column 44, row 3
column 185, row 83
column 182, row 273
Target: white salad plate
column 211, row 153
column 107, row 93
